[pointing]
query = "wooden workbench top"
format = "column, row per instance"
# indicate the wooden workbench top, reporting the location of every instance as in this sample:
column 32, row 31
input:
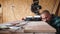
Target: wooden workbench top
column 38, row 26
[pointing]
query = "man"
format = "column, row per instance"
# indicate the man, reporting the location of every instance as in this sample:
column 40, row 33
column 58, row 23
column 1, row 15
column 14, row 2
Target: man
column 52, row 20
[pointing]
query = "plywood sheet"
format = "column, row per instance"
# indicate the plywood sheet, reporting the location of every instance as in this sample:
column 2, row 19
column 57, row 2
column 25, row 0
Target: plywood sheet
column 8, row 14
column 1, row 11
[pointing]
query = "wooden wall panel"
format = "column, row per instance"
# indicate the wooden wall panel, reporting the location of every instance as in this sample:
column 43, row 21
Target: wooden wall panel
column 47, row 5
column 8, row 14
column 1, row 13
column 22, row 8
column 17, row 9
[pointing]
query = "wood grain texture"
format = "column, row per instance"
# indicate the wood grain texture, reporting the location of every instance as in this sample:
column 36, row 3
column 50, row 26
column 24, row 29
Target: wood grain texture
column 45, row 33
column 1, row 11
column 22, row 8
column 17, row 9
column 47, row 5
column 8, row 14
column 56, row 6
column 38, row 26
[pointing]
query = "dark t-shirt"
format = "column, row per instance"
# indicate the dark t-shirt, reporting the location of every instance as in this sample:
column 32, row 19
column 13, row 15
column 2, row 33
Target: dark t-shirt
column 55, row 22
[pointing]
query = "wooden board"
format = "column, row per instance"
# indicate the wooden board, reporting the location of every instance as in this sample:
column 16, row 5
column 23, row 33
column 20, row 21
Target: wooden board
column 22, row 8
column 38, row 26
column 8, row 14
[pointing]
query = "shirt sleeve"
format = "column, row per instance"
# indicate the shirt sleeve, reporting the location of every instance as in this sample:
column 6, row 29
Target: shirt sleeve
column 57, row 23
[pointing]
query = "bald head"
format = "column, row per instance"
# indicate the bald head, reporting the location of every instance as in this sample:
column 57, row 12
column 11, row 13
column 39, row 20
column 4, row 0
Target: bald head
column 45, row 15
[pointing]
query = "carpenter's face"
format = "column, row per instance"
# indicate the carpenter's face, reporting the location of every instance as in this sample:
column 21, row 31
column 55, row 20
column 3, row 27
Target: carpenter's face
column 46, row 17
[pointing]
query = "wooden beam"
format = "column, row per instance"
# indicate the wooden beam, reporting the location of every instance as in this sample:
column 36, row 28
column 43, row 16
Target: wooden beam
column 56, row 6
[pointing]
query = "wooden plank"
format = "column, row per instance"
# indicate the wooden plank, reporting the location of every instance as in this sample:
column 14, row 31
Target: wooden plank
column 59, row 12
column 21, row 33
column 45, row 33
column 56, row 6
column 5, row 32
column 8, row 13
column 38, row 26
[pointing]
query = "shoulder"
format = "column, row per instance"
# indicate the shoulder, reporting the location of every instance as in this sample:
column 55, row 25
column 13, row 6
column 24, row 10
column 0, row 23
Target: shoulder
column 57, row 21
column 55, row 17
